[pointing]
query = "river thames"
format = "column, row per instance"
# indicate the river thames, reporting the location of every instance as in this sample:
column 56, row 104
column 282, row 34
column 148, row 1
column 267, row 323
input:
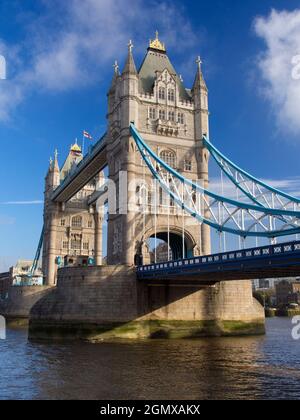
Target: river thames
column 265, row 367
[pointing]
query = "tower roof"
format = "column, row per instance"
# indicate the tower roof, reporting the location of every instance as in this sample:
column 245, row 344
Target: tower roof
column 157, row 60
column 74, row 157
column 75, row 148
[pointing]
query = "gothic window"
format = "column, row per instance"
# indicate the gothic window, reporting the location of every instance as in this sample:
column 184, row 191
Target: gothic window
column 152, row 113
column 181, row 118
column 77, row 222
column 171, row 95
column 172, row 116
column 187, row 165
column 86, row 246
column 162, row 114
column 63, row 222
column 169, row 158
column 65, row 244
column 75, row 244
column 162, row 93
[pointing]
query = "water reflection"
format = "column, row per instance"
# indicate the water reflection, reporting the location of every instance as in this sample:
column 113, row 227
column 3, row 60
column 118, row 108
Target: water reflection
column 221, row 368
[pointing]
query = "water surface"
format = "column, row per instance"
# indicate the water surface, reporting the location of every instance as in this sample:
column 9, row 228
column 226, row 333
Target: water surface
column 265, row 367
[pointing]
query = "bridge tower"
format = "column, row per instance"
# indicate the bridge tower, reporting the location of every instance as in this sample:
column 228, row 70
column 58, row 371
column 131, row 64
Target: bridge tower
column 69, row 228
column 172, row 119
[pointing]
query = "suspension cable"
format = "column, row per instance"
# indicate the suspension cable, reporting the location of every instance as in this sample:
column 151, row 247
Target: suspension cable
column 183, row 225
column 168, row 209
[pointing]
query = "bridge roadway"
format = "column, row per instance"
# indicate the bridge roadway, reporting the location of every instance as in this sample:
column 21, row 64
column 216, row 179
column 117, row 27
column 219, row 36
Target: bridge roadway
column 274, row 261
column 93, row 163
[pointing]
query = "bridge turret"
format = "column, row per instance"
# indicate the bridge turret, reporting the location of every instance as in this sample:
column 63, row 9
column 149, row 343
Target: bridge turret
column 201, row 123
column 112, row 94
column 50, row 213
column 53, row 175
column 200, row 99
column 129, row 90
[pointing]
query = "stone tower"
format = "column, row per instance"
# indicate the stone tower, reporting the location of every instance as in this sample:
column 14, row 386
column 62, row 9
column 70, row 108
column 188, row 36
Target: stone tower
column 68, row 228
column 172, row 120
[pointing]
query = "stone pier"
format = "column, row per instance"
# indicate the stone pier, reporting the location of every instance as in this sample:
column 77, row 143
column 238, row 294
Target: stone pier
column 97, row 303
column 20, row 300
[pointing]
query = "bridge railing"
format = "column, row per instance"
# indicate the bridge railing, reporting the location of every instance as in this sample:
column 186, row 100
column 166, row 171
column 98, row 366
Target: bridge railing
column 250, row 253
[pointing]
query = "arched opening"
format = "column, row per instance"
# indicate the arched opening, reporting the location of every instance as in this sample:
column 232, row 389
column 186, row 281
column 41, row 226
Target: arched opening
column 169, row 247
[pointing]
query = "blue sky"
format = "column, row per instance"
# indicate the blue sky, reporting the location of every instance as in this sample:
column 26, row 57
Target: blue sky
column 59, row 66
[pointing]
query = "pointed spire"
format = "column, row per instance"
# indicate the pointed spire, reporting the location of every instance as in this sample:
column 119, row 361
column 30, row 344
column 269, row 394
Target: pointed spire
column 50, row 164
column 116, row 68
column 130, row 67
column 199, row 82
column 115, row 77
column 55, row 163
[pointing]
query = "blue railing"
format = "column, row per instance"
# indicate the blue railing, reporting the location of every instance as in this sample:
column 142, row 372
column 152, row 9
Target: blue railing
column 222, row 258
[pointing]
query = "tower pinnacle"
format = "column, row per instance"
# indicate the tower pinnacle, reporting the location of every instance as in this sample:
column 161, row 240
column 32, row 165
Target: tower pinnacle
column 55, row 163
column 130, row 67
column 199, row 82
column 199, row 62
column 116, row 68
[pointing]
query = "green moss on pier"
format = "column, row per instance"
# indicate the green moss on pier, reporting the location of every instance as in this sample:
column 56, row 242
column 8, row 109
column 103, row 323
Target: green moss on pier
column 152, row 329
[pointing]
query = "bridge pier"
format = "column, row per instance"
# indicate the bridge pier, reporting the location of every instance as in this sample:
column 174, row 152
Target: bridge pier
column 97, row 303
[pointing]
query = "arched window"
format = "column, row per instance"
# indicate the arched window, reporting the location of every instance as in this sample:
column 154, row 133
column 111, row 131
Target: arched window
column 172, row 116
column 77, row 222
column 171, row 95
column 168, row 157
column 181, row 118
column 152, row 113
column 162, row 114
column 162, row 93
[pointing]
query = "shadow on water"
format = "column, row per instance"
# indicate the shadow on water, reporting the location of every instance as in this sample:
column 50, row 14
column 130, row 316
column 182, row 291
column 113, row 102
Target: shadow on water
column 215, row 368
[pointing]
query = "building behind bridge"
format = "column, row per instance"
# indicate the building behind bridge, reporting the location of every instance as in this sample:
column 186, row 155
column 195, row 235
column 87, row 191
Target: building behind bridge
column 288, row 292
column 5, row 283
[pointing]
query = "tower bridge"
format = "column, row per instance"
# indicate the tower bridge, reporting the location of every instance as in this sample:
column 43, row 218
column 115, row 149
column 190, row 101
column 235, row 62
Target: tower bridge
column 158, row 135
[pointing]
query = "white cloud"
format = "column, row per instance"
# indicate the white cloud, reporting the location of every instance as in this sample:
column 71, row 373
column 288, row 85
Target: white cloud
column 6, row 220
column 289, row 186
column 68, row 46
column 21, row 203
column 278, row 65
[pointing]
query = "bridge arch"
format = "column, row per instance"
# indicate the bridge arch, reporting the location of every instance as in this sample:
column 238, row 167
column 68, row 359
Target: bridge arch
column 175, row 238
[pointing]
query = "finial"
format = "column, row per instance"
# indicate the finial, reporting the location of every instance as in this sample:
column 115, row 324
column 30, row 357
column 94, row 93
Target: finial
column 130, row 46
column 181, row 78
column 51, row 161
column 156, row 44
column 55, row 154
column 116, row 67
column 199, row 62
